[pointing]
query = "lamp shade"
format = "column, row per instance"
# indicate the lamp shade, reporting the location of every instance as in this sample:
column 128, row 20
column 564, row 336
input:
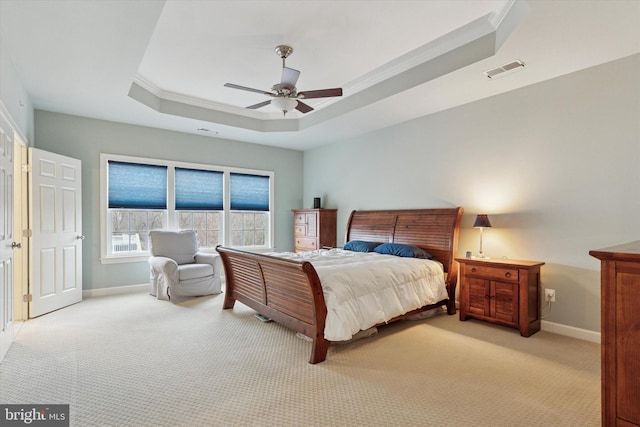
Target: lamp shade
column 482, row 220
column 284, row 104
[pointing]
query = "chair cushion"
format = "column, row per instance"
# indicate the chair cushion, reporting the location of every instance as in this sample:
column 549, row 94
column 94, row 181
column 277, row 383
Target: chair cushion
column 181, row 246
column 194, row 271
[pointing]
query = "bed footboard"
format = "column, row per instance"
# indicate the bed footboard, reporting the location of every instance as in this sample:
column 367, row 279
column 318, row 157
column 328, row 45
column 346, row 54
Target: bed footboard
column 286, row 291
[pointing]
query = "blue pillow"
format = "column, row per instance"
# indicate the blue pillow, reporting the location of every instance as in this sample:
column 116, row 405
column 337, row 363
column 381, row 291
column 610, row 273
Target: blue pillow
column 399, row 249
column 360, row 246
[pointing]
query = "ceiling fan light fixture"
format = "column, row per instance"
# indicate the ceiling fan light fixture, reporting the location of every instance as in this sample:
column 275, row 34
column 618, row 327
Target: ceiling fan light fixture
column 285, row 95
column 284, row 104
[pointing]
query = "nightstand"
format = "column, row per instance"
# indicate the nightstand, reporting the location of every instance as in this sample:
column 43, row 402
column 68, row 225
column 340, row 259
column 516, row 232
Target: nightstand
column 501, row 291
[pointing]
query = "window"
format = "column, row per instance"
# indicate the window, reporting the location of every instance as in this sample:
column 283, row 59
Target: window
column 249, row 206
column 137, row 200
column 224, row 205
column 199, row 198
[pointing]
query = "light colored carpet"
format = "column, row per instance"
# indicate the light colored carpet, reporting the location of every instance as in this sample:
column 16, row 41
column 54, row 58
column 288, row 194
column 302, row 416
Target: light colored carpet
column 130, row 360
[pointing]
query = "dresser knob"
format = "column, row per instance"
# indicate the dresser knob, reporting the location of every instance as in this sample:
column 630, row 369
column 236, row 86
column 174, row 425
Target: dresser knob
column 473, row 270
column 507, row 274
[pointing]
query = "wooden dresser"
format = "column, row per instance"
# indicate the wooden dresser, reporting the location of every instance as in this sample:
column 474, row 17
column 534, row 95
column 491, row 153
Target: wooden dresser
column 314, row 229
column 620, row 317
column 501, row 291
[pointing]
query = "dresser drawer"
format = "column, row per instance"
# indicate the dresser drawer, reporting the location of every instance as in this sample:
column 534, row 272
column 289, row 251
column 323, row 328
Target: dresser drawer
column 300, row 230
column 303, row 244
column 300, row 219
column 492, row 273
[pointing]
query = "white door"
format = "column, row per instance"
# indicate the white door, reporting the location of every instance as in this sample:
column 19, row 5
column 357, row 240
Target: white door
column 56, row 224
column 6, row 235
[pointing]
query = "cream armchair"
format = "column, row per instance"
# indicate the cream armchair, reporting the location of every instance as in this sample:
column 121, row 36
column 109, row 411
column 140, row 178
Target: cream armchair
column 178, row 270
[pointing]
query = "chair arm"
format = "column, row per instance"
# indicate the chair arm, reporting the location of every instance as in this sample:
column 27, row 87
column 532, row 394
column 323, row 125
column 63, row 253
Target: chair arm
column 213, row 259
column 163, row 265
column 209, row 258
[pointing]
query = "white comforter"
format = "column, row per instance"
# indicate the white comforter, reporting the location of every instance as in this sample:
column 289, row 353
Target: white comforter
column 365, row 289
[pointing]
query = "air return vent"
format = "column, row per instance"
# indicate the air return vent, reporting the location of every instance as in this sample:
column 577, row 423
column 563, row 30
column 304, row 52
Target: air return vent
column 503, row 69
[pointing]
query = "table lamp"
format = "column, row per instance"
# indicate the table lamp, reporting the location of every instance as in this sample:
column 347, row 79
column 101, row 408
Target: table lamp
column 482, row 221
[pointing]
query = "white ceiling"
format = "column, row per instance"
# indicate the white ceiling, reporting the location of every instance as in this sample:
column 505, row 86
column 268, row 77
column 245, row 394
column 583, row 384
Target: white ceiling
column 164, row 63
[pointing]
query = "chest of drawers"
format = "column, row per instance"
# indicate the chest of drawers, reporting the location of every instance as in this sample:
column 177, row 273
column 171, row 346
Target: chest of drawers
column 314, row 229
column 620, row 334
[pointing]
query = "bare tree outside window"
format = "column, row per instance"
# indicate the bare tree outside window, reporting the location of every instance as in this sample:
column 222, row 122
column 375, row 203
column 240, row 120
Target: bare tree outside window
column 130, row 229
column 206, row 223
column 248, row 228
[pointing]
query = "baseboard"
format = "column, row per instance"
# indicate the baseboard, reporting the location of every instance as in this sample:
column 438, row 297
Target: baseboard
column 570, row 331
column 100, row 292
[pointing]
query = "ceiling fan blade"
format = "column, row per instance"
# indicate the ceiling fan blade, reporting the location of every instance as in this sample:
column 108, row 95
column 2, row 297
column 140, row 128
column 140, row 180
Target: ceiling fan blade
column 323, row 93
column 260, row 105
column 303, row 108
column 289, row 77
column 231, row 85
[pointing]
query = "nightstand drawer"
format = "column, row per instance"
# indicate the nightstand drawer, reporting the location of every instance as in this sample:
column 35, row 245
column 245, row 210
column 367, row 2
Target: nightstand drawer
column 306, row 244
column 492, row 273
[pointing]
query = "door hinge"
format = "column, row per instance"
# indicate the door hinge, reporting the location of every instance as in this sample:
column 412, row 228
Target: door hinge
column 26, row 168
column 27, row 233
column 27, row 298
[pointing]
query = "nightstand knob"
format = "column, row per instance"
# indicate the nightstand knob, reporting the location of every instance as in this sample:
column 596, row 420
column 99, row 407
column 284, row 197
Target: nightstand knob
column 473, row 270
column 507, row 274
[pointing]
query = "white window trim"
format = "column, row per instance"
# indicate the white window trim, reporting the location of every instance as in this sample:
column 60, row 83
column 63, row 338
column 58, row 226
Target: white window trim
column 105, row 258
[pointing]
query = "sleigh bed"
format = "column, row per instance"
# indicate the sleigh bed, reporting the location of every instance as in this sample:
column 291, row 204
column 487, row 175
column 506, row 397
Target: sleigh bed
column 288, row 289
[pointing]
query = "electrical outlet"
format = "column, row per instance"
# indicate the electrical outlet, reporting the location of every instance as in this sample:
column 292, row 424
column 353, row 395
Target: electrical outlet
column 550, row 295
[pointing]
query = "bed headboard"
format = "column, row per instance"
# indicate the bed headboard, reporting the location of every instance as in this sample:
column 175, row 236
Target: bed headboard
column 434, row 230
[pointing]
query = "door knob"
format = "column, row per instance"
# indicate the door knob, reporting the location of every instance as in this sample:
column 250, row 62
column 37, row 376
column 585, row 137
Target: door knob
column 16, row 245
column 80, row 237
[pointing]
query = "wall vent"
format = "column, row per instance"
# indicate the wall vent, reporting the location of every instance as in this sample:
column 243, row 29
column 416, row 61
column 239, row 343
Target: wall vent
column 503, row 69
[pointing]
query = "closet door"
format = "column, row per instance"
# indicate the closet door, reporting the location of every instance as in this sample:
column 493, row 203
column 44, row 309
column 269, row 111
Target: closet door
column 7, row 245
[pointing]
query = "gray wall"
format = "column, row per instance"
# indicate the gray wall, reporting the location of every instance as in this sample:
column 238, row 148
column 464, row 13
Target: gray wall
column 85, row 139
column 556, row 166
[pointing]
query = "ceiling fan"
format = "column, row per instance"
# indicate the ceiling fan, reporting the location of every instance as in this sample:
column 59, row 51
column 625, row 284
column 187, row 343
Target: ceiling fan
column 285, row 94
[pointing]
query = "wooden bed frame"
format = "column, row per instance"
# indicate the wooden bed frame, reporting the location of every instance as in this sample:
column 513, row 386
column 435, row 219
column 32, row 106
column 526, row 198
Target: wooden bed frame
column 289, row 292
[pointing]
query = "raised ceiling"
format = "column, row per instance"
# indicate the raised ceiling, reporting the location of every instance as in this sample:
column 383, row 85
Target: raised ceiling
column 164, row 63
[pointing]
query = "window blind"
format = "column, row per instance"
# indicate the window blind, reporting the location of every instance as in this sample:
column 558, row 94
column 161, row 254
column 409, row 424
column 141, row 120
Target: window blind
column 137, row 186
column 198, row 189
column 249, row 192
